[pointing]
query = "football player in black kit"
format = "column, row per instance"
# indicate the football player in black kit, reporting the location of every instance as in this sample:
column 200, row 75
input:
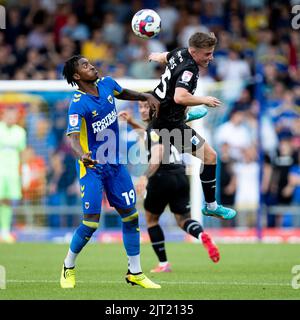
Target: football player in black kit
column 167, row 185
column 175, row 92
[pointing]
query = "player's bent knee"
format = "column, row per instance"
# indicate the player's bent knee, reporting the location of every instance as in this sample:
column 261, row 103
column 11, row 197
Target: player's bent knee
column 210, row 156
column 151, row 219
column 130, row 218
column 125, row 211
column 181, row 219
column 91, row 217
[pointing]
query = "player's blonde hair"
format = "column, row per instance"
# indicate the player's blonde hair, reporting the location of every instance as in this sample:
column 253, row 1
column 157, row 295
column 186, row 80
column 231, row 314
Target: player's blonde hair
column 202, row 40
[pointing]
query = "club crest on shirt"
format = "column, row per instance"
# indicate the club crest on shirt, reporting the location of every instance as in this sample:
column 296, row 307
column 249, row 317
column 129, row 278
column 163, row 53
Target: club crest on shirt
column 86, row 205
column 110, row 99
column 186, row 76
column 73, row 120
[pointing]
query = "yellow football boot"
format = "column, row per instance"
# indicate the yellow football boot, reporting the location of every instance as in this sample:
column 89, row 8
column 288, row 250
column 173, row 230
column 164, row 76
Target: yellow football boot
column 141, row 280
column 67, row 279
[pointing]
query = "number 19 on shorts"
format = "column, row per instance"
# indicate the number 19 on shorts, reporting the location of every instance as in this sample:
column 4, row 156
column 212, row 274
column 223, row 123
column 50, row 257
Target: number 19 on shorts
column 129, row 197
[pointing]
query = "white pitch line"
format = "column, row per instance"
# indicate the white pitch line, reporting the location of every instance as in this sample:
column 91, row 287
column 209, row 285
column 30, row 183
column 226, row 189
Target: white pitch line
column 210, row 283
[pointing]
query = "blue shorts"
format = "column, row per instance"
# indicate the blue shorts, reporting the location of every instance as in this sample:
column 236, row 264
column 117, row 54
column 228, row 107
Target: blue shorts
column 116, row 182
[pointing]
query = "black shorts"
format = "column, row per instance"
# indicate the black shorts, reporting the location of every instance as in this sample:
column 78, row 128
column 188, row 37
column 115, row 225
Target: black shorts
column 168, row 188
column 184, row 138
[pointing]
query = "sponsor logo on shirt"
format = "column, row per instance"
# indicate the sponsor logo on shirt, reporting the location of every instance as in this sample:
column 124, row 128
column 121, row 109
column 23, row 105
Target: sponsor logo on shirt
column 94, row 113
column 102, row 124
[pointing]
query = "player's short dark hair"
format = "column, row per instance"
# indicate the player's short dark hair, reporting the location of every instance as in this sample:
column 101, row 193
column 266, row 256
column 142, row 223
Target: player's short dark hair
column 70, row 68
column 202, row 40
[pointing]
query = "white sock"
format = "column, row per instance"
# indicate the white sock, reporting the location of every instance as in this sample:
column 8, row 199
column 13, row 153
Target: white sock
column 163, row 264
column 134, row 264
column 212, row 206
column 70, row 259
column 199, row 237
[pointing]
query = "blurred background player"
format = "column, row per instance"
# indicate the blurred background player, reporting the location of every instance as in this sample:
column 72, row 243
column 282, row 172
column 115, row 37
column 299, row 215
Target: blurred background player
column 175, row 92
column 94, row 134
column 12, row 143
column 167, row 184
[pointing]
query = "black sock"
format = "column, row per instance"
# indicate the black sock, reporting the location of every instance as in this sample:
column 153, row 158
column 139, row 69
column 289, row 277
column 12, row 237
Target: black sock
column 208, row 181
column 158, row 242
column 193, row 228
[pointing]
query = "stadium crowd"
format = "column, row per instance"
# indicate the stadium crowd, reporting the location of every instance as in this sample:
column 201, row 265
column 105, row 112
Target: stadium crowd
column 257, row 61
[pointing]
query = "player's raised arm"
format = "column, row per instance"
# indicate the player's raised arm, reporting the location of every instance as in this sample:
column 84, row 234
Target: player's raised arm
column 125, row 115
column 160, row 57
column 128, row 94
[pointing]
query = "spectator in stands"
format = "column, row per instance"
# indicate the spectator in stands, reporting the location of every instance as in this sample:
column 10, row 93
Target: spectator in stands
column 286, row 113
column 140, row 68
column 42, row 139
column 227, row 177
column 230, row 130
column 113, row 31
column 254, row 20
column 234, row 71
column 95, row 49
column 15, row 25
column 193, row 25
column 247, row 191
column 169, row 17
column 63, row 189
column 33, row 177
column 75, row 30
column 210, row 17
column 281, row 165
column 293, row 188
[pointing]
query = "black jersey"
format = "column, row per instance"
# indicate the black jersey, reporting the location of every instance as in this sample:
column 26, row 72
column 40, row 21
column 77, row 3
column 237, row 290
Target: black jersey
column 181, row 71
column 172, row 160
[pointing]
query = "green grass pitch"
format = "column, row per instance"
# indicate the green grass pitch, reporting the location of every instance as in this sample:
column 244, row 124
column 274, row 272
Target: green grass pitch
column 245, row 271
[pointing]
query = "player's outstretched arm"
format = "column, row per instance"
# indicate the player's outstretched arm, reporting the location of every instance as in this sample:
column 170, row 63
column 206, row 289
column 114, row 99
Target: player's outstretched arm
column 183, row 97
column 128, row 94
column 124, row 115
column 160, row 57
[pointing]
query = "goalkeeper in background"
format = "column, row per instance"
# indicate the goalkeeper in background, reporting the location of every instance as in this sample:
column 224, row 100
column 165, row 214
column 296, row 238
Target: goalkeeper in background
column 12, row 143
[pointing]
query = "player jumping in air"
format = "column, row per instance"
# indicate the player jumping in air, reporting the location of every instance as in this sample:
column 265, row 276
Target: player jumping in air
column 94, row 134
column 167, row 184
column 175, row 92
